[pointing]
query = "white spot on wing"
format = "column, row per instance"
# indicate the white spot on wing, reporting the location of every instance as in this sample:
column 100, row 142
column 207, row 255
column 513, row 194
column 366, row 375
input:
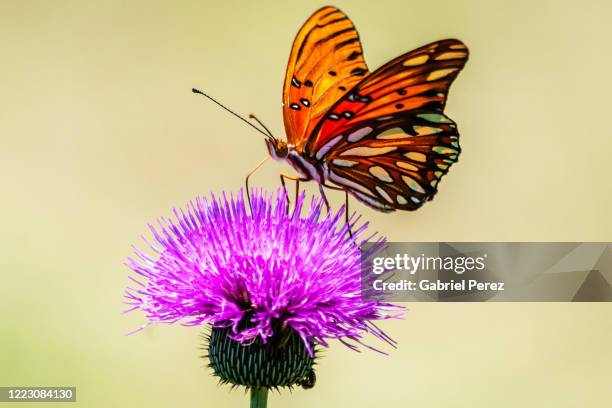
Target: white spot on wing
column 344, row 163
column 393, row 133
column 414, row 61
column 341, row 181
column 384, row 194
column 406, row 165
column 368, row 151
column 426, row 130
column 451, row 55
column 416, row 156
column 413, row 184
column 327, row 147
column 371, row 201
column 359, row 134
column 381, row 174
column 441, row 73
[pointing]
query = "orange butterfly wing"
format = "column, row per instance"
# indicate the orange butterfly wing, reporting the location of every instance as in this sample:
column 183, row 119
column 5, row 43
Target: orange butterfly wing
column 326, row 61
column 419, row 79
column 387, row 140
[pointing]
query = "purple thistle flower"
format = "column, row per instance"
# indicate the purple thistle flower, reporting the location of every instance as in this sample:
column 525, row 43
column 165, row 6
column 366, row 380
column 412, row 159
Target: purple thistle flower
column 251, row 274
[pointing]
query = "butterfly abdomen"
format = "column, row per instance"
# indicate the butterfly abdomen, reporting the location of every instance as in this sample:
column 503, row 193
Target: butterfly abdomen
column 307, row 168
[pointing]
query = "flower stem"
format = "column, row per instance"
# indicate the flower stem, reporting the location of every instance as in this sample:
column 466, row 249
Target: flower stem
column 259, row 397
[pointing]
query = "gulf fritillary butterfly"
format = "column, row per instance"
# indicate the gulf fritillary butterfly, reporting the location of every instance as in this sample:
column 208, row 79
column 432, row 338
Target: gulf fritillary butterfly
column 381, row 136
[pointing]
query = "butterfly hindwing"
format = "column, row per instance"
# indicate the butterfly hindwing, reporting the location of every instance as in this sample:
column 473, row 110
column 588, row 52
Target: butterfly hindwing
column 392, row 165
column 326, row 61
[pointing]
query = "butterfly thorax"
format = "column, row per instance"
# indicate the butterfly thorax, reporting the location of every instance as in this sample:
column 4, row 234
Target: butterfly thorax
column 308, row 168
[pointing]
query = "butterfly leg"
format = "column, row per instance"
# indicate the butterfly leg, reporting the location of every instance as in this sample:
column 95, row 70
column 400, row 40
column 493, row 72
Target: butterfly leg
column 346, row 207
column 288, row 177
column 297, row 190
column 346, row 214
column 324, row 197
column 246, row 181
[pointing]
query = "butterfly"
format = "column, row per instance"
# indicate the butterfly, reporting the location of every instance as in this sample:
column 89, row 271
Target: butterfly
column 381, row 136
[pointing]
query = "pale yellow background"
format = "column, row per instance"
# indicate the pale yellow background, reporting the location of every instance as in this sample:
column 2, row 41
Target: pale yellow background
column 100, row 134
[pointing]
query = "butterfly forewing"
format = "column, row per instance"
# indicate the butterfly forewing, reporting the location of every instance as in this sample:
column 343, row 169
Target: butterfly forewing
column 326, row 61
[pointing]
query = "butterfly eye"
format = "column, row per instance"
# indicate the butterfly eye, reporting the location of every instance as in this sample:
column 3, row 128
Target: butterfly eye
column 281, row 149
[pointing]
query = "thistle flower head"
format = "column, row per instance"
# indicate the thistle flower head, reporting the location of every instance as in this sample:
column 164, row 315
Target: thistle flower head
column 259, row 277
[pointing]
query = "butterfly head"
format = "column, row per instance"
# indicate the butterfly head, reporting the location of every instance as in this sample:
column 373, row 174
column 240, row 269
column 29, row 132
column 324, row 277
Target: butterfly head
column 278, row 149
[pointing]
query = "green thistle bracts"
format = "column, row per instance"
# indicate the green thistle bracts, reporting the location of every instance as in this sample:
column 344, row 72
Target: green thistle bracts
column 281, row 362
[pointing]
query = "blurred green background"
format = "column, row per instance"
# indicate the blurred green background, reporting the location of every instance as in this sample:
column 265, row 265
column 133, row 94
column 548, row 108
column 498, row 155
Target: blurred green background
column 100, row 134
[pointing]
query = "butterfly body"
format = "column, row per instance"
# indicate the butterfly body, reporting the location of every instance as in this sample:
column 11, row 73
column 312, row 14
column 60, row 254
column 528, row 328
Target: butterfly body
column 382, row 136
column 307, row 168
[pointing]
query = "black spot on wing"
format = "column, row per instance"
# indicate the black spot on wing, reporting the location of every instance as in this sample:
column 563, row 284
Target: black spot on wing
column 332, row 11
column 353, row 55
column 330, row 22
column 334, row 35
column 347, row 42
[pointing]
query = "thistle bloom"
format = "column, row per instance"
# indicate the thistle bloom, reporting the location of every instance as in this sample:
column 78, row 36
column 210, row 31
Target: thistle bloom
column 259, row 278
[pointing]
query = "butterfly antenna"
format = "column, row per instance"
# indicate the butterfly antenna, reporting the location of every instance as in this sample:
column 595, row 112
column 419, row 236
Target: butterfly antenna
column 251, row 116
column 197, row 91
